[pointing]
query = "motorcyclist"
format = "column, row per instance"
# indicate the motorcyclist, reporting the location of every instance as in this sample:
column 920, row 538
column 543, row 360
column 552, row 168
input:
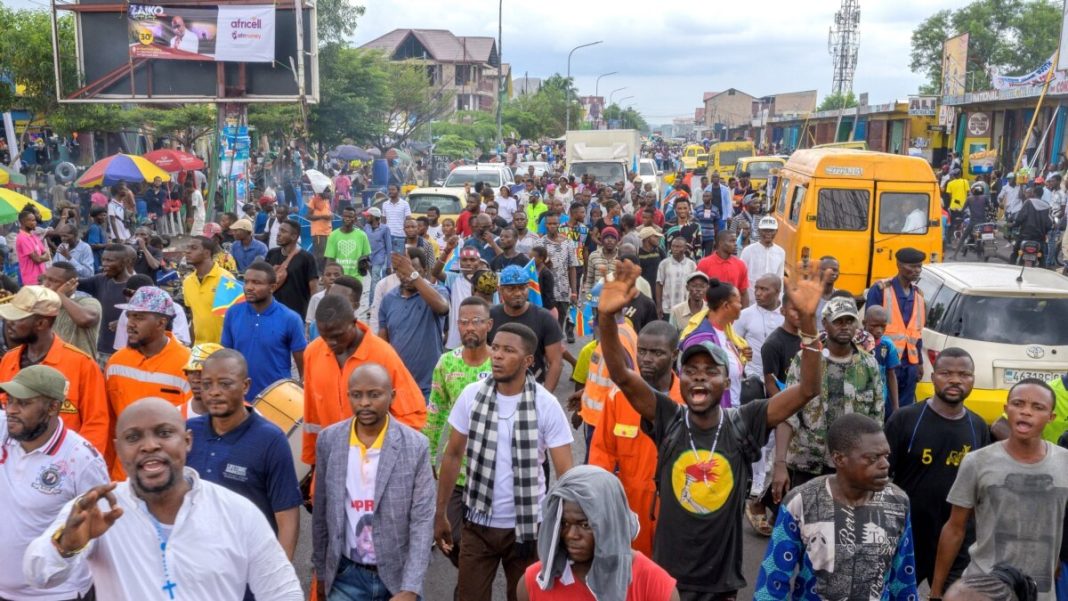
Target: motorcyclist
column 1033, row 220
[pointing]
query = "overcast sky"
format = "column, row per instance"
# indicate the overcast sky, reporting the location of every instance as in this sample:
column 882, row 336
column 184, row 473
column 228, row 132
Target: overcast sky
column 668, row 54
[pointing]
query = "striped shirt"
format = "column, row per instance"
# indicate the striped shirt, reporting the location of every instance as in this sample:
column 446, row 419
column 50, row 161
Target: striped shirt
column 394, row 214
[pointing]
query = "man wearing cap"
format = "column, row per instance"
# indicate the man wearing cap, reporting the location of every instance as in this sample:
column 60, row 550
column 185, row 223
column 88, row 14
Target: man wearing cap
column 266, row 211
column 44, row 465
column 696, row 289
column 649, row 250
column 379, row 244
column 516, row 307
column 198, row 289
column 764, row 257
column 348, row 245
column 851, row 383
column 672, row 275
column 601, row 262
column 152, row 364
column 748, row 214
column 195, row 407
column 905, row 305
column 704, row 451
column 245, row 250
column 28, row 320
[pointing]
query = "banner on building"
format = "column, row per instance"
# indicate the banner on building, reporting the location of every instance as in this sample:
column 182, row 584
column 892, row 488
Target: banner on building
column 982, row 160
column 954, row 65
column 1036, row 77
column 923, row 106
column 232, row 33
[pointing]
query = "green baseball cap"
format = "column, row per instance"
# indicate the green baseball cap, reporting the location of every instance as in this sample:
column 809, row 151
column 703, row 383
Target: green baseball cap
column 37, row 380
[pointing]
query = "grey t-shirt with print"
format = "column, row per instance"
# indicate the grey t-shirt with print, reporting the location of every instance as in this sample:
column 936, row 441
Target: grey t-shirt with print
column 1019, row 511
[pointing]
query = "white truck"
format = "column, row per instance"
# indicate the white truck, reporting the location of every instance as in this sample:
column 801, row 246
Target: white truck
column 606, row 154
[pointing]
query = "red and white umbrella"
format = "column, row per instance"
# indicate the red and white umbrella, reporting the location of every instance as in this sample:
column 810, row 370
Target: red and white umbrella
column 173, row 161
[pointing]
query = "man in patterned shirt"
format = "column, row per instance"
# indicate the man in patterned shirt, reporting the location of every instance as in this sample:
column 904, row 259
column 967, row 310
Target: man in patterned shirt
column 848, row 534
column 455, row 370
column 850, row 384
column 561, row 251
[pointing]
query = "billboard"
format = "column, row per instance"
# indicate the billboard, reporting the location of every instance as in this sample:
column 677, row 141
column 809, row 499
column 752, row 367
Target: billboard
column 923, row 106
column 233, row 33
column 954, row 65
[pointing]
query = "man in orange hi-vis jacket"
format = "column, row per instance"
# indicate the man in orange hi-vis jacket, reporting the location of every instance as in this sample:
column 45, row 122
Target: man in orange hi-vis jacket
column 343, row 344
column 620, row 446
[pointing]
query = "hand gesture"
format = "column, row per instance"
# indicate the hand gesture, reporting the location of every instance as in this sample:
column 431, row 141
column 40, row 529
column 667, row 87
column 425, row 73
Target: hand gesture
column 450, row 244
column 804, row 289
column 64, row 250
column 402, row 264
column 619, row 292
column 68, row 287
column 86, row 521
column 780, row 482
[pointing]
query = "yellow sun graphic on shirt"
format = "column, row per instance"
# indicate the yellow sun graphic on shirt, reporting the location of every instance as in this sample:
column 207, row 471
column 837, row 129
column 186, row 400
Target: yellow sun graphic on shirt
column 703, row 483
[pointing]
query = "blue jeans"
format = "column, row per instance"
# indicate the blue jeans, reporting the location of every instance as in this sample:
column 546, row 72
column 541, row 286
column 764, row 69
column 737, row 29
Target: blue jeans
column 354, row 583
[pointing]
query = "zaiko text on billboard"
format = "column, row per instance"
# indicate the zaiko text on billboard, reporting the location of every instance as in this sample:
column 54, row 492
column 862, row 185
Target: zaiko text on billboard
column 224, row 33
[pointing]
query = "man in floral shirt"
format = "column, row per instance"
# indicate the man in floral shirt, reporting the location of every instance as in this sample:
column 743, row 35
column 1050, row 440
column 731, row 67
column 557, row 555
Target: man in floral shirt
column 561, row 252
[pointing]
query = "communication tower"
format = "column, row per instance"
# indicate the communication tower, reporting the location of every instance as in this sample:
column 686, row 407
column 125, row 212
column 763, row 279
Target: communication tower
column 843, row 41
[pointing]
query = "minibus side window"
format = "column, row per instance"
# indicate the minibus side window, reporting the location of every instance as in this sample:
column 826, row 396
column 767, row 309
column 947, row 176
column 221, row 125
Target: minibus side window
column 903, row 212
column 795, row 204
column 843, row 210
column 782, row 196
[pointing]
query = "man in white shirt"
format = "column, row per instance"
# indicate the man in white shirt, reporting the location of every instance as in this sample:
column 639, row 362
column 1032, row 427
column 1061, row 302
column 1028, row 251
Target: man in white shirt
column 44, row 466
column 759, row 320
column 183, row 38
column 164, row 533
column 116, row 221
column 764, row 256
column 503, row 496
column 1009, row 197
column 395, row 210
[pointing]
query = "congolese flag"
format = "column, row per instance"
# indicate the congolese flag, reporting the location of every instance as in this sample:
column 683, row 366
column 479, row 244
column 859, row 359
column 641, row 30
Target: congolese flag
column 229, row 293
column 534, row 289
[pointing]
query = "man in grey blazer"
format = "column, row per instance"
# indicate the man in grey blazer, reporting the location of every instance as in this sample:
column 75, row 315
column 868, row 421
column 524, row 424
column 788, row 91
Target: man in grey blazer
column 373, row 519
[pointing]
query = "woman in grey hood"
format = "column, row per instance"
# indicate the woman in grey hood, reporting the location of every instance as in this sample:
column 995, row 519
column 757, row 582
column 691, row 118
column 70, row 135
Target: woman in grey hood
column 584, row 546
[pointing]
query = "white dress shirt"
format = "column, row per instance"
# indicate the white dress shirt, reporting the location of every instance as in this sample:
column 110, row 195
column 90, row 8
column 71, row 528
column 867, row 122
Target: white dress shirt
column 755, row 324
column 761, row 260
column 34, row 487
column 220, row 542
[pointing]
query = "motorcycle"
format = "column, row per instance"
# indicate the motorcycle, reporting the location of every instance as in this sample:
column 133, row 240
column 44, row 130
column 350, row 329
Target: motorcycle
column 1030, row 253
column 983, row 240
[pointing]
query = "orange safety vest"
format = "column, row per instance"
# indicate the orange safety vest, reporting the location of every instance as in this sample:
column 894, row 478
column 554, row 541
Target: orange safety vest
column 598, row 382
column 906, row 336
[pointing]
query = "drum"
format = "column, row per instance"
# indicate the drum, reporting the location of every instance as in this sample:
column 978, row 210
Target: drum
column 282, row 403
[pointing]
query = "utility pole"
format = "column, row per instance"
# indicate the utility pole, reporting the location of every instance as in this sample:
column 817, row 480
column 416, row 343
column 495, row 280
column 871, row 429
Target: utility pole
column 500, row 74
column 843, row 42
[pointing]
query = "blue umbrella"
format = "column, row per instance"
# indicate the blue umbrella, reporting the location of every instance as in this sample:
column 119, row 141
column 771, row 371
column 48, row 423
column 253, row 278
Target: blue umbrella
column 348, row 152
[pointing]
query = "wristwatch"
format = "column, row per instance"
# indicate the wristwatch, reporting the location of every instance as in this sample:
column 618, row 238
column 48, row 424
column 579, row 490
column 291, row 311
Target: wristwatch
column 414, row 277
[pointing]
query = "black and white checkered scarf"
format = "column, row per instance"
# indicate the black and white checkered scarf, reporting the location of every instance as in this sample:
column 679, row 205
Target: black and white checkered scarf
column 482, row 459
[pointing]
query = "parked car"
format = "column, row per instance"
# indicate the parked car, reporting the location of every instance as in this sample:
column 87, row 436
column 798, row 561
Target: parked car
column 649, row 174
column 1014, row 329
column 448, row 201
column 493, row 174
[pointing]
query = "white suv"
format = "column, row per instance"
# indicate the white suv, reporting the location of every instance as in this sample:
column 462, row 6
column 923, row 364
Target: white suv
column 494, row 175
column 1013, row 329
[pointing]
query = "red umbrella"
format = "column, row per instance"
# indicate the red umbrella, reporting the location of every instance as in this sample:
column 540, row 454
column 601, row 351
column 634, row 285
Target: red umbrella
column 173, row 161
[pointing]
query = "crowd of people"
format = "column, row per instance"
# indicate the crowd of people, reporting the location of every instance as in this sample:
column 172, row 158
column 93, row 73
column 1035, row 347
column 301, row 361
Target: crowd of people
column 419, row 360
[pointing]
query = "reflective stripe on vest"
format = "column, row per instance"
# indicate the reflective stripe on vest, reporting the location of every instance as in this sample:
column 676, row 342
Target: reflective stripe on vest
column 598, row 382
column 906, row 337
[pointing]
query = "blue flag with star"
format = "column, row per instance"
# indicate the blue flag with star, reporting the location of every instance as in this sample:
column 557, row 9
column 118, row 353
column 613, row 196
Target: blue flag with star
column 230, row 292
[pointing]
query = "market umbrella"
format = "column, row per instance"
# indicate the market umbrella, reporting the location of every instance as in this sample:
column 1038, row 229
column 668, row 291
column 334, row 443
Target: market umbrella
column 348, row 152
column 12, row 202
column 173, row 161
column 374, row 152
column 121, row 167
column 318, row 180
column 11, row 176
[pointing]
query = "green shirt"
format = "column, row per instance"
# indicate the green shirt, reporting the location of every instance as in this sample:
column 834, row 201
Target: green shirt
column 348, row 249
column 451, row 375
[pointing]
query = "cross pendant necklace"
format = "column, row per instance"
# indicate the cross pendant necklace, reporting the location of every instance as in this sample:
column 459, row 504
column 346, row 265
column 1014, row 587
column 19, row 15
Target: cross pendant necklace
column 168, row 585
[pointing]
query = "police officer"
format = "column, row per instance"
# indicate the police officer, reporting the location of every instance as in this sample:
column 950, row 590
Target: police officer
column 904, row 303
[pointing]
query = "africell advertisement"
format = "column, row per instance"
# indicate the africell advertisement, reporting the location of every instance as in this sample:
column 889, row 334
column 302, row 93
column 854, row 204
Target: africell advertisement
column 226, row 33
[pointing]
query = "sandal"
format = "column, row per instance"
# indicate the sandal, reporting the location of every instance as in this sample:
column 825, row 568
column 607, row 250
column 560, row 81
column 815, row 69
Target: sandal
column 759, row 521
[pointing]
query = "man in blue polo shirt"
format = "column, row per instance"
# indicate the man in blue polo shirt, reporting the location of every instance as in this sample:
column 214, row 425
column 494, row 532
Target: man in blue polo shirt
column 237, row 448
column 266, row 332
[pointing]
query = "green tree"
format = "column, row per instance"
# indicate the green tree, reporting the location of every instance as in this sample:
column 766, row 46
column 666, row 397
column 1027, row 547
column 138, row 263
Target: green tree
column 1013, row 36
column 337, row 20
column 454, row 146
column 353, row 87
column 837, row 101
column 185, row 123
column 277, row 121
column 476, row 127
column 543, row 113
column 628, row 118
column 413, row 103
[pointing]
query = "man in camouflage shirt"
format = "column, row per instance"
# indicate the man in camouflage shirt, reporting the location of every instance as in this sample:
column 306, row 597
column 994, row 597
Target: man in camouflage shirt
column 850, row 384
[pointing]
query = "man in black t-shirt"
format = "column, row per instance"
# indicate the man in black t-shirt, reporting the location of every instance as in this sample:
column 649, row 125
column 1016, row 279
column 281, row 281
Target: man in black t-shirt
column 780, row 348
column 302, row 273
column 704, row 452
column 928, row 441
column 515, row 307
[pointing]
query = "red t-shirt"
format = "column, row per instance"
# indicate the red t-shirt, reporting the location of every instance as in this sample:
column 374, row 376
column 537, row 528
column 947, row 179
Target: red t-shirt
column 731, row 270
column 463, row 224
column 648, row 582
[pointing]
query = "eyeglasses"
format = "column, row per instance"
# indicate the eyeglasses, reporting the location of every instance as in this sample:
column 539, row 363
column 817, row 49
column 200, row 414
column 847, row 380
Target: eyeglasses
column 477, row 321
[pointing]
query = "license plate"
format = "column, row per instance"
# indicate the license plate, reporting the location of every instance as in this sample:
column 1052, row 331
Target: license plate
column 1012, row 376
column 988, row 236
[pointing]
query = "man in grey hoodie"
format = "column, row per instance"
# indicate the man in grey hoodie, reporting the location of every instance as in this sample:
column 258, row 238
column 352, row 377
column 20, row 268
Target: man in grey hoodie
column 584, row 545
